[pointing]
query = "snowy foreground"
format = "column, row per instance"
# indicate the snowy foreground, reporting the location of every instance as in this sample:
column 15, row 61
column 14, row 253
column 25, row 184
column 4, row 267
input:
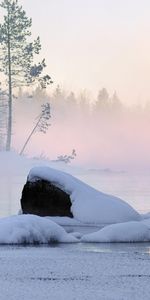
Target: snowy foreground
column 75, row 272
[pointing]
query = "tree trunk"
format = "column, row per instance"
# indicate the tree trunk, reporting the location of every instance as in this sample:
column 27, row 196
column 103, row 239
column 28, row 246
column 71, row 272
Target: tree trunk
column 30, row 135
column 9, row 126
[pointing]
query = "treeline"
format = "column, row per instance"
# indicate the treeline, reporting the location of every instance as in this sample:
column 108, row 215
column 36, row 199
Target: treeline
column 91, row 126
column 64, row 102
column 86, row 104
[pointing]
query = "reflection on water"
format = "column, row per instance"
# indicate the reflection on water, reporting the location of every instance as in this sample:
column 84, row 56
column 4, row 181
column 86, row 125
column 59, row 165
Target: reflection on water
column 117, row 247
column 132, row 248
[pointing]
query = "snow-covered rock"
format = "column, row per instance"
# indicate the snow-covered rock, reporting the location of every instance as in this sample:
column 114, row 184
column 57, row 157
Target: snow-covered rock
column 122, row 232
column 88, row 205
column 45, row 199
column 30, row 229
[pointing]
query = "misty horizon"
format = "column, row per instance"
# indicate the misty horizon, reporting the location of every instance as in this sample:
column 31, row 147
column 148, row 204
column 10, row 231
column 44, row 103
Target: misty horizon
column 104, row 132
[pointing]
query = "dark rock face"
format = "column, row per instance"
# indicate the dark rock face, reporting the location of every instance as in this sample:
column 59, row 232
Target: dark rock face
column 44, row 199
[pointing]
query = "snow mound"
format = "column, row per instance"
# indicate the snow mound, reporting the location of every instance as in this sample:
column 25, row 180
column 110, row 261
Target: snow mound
column 146, row 222
column 88, row 205
column 123, row 232
column 30, row 229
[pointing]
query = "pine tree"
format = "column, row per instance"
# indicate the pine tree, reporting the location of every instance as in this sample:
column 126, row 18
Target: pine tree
column 103, row 98
column 17, row 55
column 42, row 124
column 115, row 102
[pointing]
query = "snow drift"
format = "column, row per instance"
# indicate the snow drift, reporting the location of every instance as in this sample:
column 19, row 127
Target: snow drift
column 29, row 229
column 88, row 205
column 122, row 232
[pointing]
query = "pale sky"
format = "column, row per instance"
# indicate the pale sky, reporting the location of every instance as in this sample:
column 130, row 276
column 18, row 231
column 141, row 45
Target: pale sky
column 95, row 43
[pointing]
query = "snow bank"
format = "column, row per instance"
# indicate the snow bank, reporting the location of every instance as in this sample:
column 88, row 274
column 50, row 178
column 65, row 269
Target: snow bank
column 123, row 232
column 88, row 205
column 31, row 229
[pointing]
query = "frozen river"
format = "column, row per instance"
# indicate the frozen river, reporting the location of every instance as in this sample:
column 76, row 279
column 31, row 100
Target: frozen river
column 75, row 272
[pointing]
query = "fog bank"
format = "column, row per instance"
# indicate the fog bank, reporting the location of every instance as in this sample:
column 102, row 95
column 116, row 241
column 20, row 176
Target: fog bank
column 104, row 132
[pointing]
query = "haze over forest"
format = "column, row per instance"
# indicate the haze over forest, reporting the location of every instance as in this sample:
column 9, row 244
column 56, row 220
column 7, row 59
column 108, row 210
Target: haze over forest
column 103, row 131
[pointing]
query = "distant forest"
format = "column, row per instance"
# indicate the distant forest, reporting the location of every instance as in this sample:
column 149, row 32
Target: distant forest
column 82, row 122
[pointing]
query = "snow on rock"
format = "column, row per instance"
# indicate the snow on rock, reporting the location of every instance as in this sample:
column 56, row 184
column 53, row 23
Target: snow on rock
column 30, row 229
column 145, row 216
column 122, row 232
column 146, row 222
column 65, row 221
column 88, row 205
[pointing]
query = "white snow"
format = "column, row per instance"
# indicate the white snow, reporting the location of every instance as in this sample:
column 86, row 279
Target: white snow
column 88, row 205
column 146, row 222
column 91, row 209
column 30, row 229
column 66, row 221
column 75, row 272
column 122, row 232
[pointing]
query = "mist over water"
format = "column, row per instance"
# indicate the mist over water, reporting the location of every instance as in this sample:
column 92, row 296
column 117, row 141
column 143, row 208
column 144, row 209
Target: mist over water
column 103, row 131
